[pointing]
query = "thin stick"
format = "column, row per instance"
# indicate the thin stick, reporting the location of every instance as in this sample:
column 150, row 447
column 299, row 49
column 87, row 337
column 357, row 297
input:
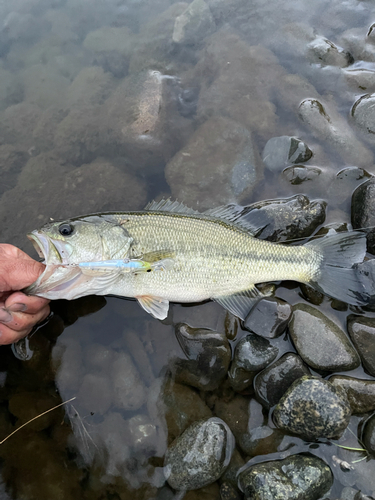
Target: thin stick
column 41, row 415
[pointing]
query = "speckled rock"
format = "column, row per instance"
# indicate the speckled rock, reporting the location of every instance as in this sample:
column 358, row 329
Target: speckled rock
column 229, row 492
column 362, row 333
column 368, row 435
column 329, row 126
column 200, row 455
column 320, row 342
column 232, row 166
column 269, row 317
column 313, row 408
column 194, row 24
column 280, row 152
column 363, row 211
column 272, row 383
column 360, row 393
column 299, row 174
column 295, row 477
column 208, row 356
column 252, row 354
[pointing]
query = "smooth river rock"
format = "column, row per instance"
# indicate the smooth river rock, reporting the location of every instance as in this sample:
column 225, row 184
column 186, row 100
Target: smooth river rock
column 362, row 332
column 320, row 342
column 279, row 152
column 360, row 393
column 313, row 408
column 298, row 477
column 368, row 435
column 269, row 317
column 363, row 211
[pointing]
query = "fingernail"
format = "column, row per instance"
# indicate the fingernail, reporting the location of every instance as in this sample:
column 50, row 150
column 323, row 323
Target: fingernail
column 17, row 307
column 5, row 316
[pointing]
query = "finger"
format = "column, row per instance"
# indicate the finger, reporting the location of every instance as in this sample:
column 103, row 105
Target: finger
column 9, row 336
column 20, row 321
column 19, row 302
column 19, row 273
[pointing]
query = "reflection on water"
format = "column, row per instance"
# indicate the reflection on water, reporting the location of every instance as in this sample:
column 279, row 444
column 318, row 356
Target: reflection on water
column 107, row 104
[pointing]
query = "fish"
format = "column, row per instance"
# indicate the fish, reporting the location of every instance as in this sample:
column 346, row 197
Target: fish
column 189, row 257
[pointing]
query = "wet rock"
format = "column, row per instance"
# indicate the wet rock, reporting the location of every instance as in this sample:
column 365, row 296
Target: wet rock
column 299, row 174
column 230, row 475
column 128, row 389
column 320, row 342
column 11, row 162
column 352, row 174
column 363, row 211
column 285, row 219
column 11, row 91
column 364, row 116
column 95, row 393
column 252, row 354
column 366, row 271
column 329, row 126
column 362, row 333
column 44, row 86
column 142, row 120
column 208, row 356
column 194, row 24
column 142, row 435
column 292, row 90
column 324, row 52
column 210, row 492
column 295, row 477
column 360, row 393
column 181, row 406
column 273, row 382
column 232, row 165
column 368, row 435
column 280, row 152
column 229, row 492
column 358, row 44
column 17, row 124
column 269, row 318
column 46, row 127
column 360, row 79
column 90, row 87
column 313, row 408
column 200, row 455
column 229, row 411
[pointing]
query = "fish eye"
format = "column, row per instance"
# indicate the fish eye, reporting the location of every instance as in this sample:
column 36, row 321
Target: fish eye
column 66, row 229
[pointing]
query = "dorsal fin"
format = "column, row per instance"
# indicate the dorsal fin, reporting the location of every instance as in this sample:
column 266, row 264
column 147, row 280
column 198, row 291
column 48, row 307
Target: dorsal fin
column 170, row 206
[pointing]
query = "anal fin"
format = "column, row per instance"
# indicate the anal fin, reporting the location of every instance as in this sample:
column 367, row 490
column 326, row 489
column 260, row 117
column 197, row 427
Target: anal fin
column 156, row 306
column 240, row 303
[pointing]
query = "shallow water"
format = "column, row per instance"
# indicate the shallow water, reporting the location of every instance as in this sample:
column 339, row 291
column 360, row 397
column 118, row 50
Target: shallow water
column 99, row 101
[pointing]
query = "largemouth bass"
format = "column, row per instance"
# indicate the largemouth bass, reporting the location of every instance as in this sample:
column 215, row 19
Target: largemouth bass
column 188, row 257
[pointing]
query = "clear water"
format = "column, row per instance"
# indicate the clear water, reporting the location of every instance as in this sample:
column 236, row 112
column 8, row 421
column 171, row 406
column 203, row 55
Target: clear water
column 62, row 112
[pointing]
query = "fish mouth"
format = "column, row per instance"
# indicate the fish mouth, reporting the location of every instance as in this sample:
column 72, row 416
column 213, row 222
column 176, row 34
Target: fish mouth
column 51, row 251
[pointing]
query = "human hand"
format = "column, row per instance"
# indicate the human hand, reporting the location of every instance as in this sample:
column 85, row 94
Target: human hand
column 18, row 312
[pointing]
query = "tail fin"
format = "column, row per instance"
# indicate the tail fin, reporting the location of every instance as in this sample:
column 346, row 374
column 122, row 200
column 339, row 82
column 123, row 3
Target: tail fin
column 337, row 277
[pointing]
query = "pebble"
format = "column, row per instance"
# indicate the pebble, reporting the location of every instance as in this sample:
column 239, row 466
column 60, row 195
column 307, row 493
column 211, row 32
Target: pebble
column 368, row 435
column 280, row 152
column 299, row 174
column 297, row 477
column 269, row 317
column 200, row 455
column 272, row 383
column 313, row 408
column 364, row 116
column 363, row 211
column 194, row 24
column 129, row 392
column 362, row 333
column 251, row 354
column 324, row 52
column 320, row 342
column 208, row 356
column 360, row 393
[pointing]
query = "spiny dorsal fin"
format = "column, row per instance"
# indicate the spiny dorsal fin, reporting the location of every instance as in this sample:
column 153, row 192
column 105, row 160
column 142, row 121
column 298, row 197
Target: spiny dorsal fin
column 170, row 206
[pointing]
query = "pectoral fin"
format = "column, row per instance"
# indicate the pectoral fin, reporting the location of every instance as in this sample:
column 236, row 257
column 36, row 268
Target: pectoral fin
column 156, row 306
column 240, row 303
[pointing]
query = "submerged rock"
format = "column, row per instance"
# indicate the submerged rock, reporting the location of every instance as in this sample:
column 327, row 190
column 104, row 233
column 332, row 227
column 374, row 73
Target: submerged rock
column 299, row 174
column 363, row 211
column 364, row 115
column 294, row 478
column 200, row 455
column 362, row 333
column 273, row 382
column 269, row 317
column 313, row 408
column 232, row 166
column 325, row 52
column 320, row 342
column 208, row 354
column 194, row 24
column 280, row 152
column 368, row 435
column 128, row 389
column 360, row 393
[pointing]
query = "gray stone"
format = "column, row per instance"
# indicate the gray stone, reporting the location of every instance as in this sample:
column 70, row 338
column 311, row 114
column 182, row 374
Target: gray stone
column 324, row 52
column 360, row 79
column 327, row 125
column 295, row 478
column 362, row 333
column 280, row 152
column 252, row 354
column 363, row 211
column 229, row 492
column 200, row 455
column 128, row 389
column 299, row 174
column 90, row 87
column 360, row 393
column 320, row 342
column 208, row 356
column 364, row 115
column 269, row 317
column 194, row 24
column 368, row 435
column 232, row 167
column 273, row 382
column 230, row 475
column 142, row 435
column 313, row 408
column 11, row 162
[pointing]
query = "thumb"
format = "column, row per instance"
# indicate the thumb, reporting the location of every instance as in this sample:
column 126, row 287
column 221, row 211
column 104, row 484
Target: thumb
column 16, row 274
